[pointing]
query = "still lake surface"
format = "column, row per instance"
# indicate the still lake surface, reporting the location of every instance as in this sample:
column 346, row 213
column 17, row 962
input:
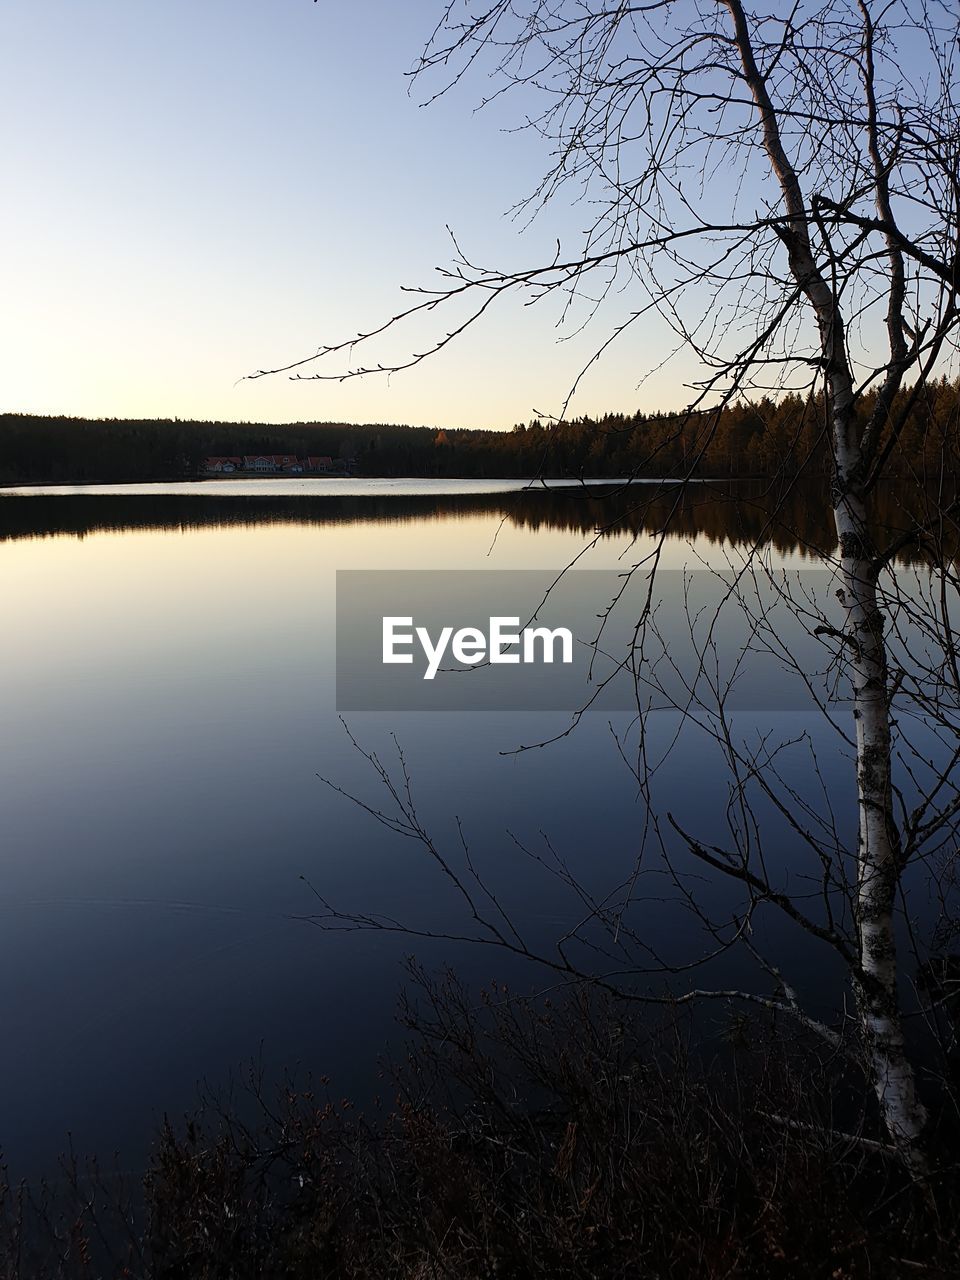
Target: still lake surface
column 167, row 703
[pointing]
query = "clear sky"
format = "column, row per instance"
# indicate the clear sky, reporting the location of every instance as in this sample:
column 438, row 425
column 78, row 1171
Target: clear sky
column 195, row 189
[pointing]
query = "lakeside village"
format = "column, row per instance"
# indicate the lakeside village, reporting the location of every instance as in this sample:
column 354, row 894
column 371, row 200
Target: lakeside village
column 276, row 464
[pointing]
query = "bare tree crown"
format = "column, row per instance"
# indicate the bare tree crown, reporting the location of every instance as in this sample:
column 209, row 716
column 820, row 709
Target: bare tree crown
column 782, row 185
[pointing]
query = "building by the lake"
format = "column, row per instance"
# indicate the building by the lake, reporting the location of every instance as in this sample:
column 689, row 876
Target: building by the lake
column 271, row 464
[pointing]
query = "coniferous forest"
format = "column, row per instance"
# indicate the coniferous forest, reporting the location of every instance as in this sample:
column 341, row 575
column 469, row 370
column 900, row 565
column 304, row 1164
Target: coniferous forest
column 743, row 440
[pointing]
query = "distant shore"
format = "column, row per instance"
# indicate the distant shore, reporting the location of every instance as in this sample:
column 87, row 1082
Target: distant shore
column 778, row 438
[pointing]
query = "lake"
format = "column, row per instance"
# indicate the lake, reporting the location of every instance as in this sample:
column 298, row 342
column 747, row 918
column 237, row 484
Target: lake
column 168, row 702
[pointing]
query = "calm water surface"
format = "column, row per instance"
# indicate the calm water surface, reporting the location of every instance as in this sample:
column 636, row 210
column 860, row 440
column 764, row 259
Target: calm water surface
column 166, row 704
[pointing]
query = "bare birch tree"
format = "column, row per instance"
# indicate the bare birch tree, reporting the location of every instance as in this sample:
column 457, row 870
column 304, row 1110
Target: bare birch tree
column 783, row 184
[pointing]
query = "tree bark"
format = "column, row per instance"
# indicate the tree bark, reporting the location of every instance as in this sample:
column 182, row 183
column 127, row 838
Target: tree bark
column 878, row 845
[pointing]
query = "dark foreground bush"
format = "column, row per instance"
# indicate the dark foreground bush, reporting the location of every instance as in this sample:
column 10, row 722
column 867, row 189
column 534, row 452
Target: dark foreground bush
column 526, row 1140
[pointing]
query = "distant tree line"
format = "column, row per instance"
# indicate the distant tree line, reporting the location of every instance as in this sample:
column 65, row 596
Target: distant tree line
column 745, row 440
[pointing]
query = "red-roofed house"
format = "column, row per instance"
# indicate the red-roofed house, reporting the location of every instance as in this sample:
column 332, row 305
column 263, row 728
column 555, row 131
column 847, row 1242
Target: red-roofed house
column 319, row 464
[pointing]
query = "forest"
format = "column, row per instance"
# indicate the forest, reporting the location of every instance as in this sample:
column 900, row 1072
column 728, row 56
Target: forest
column 745, row 440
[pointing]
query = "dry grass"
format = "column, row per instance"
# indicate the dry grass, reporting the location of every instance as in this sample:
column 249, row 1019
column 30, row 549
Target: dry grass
column 526, row 1140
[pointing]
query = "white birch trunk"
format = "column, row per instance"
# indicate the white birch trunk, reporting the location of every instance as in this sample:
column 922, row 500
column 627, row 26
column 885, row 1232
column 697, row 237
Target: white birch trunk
column 878, row 847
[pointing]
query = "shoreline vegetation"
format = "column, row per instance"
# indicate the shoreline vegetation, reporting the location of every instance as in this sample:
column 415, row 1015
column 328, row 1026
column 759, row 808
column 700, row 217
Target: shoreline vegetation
column 519, row 1138
column 742, row 441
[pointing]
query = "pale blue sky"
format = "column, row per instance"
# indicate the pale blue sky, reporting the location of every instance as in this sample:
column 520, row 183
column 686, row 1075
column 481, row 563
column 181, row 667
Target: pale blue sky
column 199, row 188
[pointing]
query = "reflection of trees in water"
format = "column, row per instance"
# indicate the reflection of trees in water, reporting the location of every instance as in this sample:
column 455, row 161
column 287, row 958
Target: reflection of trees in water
column 739, row 514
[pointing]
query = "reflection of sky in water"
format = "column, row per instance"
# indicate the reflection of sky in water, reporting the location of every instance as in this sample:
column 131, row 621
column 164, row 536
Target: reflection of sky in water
column 167, row 701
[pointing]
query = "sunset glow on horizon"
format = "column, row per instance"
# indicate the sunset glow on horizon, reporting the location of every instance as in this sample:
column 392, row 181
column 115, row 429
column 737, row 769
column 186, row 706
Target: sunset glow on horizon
column 202, row 192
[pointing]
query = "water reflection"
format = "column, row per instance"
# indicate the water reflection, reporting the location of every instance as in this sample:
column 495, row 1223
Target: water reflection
column 793, row 519
column 166, row 704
